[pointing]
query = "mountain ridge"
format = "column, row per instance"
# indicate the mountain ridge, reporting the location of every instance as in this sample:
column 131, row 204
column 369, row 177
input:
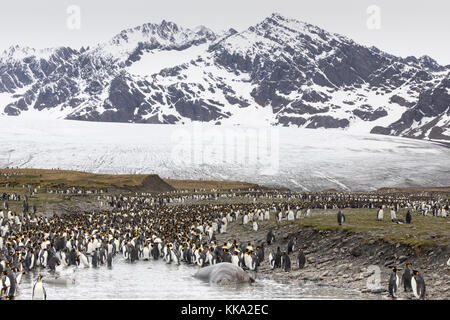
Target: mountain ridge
column 280, row 71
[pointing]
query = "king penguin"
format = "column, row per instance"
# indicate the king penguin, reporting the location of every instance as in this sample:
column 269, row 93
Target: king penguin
column 285, row 262
column 406, row 278
column 95, row 258
column 109, row 260
column 301, row 259
column 39, row 290
column 340, row 217
column 271, row 259
column 277, row 258
column 418, row 285
column 146, row 253
column 270, row 237
column 393, row 283
column 290, row 246
column 235, row 258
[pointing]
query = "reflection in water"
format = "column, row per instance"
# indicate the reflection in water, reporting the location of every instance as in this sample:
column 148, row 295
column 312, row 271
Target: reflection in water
column 158, row 280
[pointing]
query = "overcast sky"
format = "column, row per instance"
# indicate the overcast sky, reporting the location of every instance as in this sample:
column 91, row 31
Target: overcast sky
column 405, row 27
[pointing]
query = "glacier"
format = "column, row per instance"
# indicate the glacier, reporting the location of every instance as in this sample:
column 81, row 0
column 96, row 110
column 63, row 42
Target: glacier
column 296, row 158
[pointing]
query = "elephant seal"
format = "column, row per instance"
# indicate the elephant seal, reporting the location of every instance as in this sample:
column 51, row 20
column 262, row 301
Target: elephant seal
column 223, row 273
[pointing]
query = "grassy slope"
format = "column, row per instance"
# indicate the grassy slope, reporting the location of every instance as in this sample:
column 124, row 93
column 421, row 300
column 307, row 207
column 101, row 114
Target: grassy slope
column 209, row 184
column 424, row 231
column 441, row 190
column 65, row 178
column 60, row 178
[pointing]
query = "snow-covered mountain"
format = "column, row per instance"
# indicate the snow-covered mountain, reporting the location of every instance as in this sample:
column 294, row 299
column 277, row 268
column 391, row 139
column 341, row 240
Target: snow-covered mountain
column 280, row 72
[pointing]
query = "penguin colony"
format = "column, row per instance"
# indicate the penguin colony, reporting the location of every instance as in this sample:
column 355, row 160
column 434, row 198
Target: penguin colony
column 144, row 227
column 412, row 281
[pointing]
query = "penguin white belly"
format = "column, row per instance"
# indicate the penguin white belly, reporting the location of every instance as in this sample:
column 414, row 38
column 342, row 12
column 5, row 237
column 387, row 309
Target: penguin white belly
column 164, row 253
column 174, row 257
column 252, row 263
column 146, row 253
column 84, row 261
column 63, row 259
column 247, row 261
column 19, row 278
column 267, row 215
column 395, row 289
column 209, row 258
column 38, row 259
column 255, row 226
column 58, row 268
column 245, row 219
column 235, row 260
column 414, row 287
column 160, row 248
column 197, row 258
column 7, row 283
column 38, row 291
column 44, row 260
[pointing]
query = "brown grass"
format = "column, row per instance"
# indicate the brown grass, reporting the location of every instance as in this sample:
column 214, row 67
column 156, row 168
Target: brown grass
column 209, row 184
column 67, row 178
column 424, row 230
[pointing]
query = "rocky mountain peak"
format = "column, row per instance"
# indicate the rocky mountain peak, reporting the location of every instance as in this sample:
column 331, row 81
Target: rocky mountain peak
column 283, row 71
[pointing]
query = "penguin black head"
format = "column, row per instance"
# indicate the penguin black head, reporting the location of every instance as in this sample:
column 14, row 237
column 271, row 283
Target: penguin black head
column 394, row 269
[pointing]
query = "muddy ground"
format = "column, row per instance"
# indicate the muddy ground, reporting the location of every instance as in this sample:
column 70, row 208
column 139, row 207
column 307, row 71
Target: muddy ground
column 346, row 259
